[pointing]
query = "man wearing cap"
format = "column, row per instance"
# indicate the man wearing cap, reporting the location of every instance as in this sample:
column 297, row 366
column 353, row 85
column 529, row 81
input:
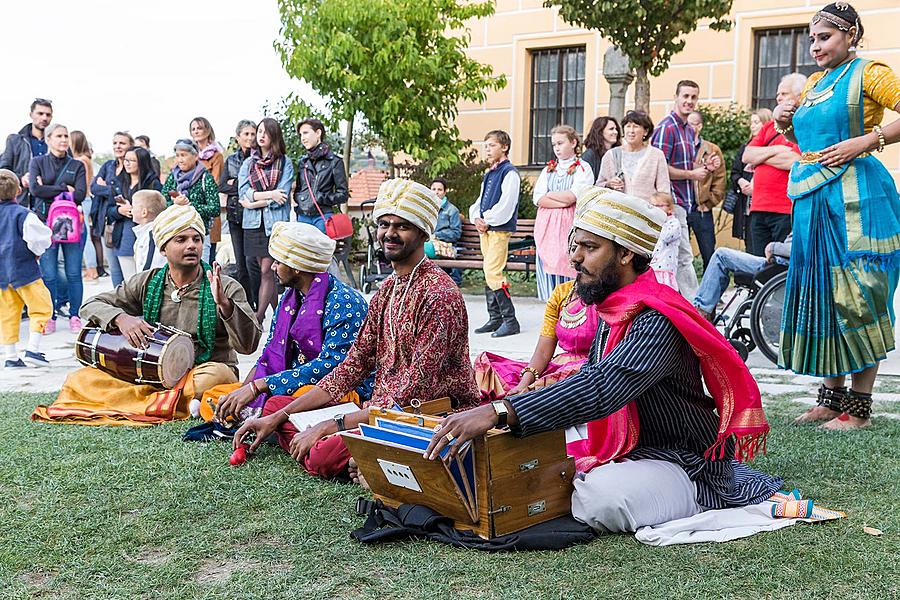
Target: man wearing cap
column 415, row 337
column 656, row 447
column 187, row 294
column 315, row 323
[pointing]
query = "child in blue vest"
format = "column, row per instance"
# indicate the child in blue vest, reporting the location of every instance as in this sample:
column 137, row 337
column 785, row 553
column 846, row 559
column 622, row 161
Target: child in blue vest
column 494, row 215
column 23, row 238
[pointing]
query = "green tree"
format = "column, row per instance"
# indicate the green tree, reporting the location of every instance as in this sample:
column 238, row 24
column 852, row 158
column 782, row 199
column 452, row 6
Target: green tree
column 726, row 126
column 401, row 64
column 648, row 32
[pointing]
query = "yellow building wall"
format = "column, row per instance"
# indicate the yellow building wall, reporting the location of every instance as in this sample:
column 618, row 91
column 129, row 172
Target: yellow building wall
column 721, row 62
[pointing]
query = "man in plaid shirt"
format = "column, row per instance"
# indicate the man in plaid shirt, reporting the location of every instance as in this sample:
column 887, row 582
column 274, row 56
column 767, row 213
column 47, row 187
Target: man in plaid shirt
column 675, row 137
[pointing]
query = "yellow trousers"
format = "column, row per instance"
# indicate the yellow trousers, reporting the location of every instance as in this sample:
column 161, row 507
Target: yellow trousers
column 495, row 250
column 36, row 297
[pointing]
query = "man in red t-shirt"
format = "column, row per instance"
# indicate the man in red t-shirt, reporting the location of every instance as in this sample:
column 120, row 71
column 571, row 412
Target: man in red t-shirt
column 772, row 155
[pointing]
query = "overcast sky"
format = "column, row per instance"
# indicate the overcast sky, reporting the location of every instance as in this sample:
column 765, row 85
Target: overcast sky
column 145, row 67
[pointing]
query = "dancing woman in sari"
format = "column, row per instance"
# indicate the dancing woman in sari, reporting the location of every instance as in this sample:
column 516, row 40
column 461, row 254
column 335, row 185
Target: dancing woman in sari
column 567, row 323
column 838, row 316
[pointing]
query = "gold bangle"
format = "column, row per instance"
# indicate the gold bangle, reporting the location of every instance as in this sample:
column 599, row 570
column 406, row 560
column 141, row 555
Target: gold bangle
column 531, row 370
column 881, row 141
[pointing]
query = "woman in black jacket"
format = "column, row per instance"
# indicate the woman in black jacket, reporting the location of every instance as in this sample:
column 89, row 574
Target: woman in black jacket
column 247, row 270
column 51, row 175
column 320, row 176
column 741, row 176
column 137, row 174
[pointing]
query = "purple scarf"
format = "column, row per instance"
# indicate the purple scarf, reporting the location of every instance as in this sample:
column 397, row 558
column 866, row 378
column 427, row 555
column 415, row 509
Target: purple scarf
column 299, row 321
column 184, row 181
column 208, row 152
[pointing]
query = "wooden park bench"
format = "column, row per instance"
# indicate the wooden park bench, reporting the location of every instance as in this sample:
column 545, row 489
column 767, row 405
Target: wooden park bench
column 468, row 249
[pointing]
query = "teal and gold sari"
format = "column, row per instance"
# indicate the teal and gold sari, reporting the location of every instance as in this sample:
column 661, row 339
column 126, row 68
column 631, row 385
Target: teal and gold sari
column 838, row 306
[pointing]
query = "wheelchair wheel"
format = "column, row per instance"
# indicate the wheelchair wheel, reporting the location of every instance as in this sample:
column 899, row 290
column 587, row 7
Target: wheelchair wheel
column 765, row 316
column 744, row 337
column 740, row 347
column 364, row 285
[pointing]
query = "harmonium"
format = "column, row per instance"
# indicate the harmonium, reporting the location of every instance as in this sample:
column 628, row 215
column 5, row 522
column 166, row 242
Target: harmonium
column 496, row 485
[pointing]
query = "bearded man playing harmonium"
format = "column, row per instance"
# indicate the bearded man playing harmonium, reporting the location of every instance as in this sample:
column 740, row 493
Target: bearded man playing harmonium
column 188, row 295
column 415, row 338
column 656, row 447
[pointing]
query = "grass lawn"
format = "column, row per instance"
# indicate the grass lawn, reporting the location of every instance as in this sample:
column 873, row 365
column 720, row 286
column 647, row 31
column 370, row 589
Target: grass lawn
column 137, row 513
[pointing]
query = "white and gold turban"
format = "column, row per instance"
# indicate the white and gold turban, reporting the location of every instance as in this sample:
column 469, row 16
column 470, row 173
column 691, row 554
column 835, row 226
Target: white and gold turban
column 301, row 246
column 629, row 221
column 408, row 200
column 173, row 221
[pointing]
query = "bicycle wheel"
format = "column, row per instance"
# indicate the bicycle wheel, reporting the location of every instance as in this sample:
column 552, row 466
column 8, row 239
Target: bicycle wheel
column 765, row 316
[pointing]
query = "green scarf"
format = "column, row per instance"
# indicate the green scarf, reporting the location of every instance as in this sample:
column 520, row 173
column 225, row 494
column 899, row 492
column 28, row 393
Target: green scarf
column 206, row 325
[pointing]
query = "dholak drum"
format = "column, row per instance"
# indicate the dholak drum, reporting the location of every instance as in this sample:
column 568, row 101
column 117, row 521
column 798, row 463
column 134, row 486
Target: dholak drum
column 168, row 356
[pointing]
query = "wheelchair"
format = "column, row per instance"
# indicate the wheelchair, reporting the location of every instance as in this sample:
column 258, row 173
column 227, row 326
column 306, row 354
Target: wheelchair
column 755, row 320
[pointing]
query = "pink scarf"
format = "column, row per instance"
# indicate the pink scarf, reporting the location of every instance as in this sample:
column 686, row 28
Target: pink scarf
column 729, row 381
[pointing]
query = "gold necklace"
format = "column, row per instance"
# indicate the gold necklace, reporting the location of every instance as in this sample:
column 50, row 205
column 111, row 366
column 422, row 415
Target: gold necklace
column 391, row 309
column 572, row 320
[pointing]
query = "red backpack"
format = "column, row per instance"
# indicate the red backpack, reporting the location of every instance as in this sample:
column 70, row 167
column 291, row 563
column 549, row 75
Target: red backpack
column 64, row 219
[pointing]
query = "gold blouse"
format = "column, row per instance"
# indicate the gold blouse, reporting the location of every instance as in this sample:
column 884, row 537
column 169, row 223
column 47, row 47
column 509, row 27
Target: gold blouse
column 881, row 89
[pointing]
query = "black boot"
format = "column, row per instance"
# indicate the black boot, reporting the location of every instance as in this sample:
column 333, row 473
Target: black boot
column 510, row 325
column 494, row 318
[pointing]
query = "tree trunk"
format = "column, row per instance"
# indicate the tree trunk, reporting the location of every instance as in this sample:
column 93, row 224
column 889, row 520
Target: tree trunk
column 348, row 145
column 392, row 170
column 641, row 90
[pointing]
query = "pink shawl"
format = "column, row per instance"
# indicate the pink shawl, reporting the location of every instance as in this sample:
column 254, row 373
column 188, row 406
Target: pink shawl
column 729, row 381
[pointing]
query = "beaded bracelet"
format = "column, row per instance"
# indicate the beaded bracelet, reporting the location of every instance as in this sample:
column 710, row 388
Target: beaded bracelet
column 881, row 141
column 784, row 131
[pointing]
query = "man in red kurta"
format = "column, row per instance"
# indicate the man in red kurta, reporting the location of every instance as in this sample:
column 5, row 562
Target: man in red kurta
column 415, row 337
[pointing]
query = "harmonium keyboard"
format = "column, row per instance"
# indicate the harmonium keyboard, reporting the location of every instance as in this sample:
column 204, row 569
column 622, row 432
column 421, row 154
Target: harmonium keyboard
column 496, row 485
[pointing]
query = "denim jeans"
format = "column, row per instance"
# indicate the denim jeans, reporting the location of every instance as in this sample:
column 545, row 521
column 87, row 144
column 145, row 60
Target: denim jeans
column 50, row 264
column 723, row 263
column 705, row 230
column 115, row 269
column 316, row 221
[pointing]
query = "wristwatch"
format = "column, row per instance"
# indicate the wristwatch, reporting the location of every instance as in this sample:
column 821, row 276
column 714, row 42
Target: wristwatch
column 339, row 421
column 502, row 413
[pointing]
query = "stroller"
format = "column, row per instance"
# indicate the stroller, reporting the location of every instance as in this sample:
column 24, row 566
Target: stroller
column 377, row 268
column 755, row 321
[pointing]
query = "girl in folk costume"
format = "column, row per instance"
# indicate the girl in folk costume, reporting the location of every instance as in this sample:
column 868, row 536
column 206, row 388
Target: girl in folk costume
column 838, row 317
column 568, row 323
column 665, row 256
column 264, row 188
column 554, row 195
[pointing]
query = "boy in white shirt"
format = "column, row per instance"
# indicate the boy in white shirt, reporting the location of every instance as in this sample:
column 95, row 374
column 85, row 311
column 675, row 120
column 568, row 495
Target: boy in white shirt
column 145, row 206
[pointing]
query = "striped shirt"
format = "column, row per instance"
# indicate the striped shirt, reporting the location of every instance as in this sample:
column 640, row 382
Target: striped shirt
column 675, row 137
column 654, row 367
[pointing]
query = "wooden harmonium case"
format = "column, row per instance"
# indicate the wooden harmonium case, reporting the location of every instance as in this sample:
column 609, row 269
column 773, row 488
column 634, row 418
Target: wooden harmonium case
column 497, row 484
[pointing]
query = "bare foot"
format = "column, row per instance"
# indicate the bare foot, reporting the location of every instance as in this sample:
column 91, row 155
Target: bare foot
column 817, row 413
column 356, row 475
column 845, row 422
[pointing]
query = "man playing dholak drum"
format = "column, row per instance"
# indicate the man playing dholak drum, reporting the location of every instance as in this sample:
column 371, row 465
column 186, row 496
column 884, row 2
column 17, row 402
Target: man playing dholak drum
column 187, row 295
column 656, row 447
column 314, row 326
column 415, row 337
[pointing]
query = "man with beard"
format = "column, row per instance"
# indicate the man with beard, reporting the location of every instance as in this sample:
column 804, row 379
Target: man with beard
column 415, row 338
column 641, row 392
column 187, row 295
column 27, row 144
column 315, row 324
